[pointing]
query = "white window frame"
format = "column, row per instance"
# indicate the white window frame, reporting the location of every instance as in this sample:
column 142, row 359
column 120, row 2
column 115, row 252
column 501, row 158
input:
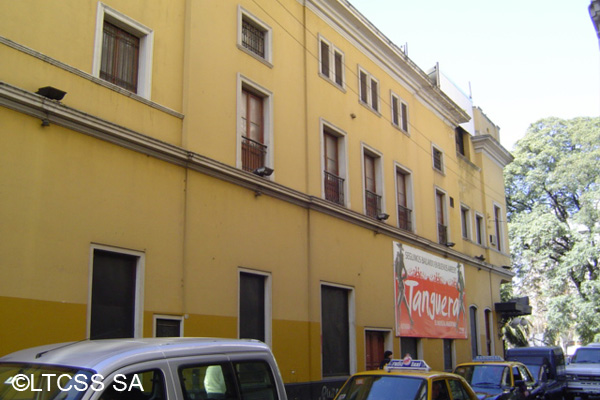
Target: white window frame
column 483, row 230
column 400, row 116
column 351, row 323
column 378, row 156
column 468, row 235
column 146, row 36
column 410, row 200
column 268, row 302
column 331, row 56
column 267, row 96
column 245, row 14
column 434, row 148
column 138, row 325
column 388, row 338
column 370, row 79
column 343, row 159
column 179, row 318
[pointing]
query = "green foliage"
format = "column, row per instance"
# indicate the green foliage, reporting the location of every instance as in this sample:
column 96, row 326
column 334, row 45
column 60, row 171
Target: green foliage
column 553, row 201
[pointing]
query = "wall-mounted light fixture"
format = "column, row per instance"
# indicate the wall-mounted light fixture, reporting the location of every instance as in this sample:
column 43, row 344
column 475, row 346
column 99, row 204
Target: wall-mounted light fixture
column 480, row 258
column 382, row 216
column 51, row 93
column 263, row 171
column 450, row 244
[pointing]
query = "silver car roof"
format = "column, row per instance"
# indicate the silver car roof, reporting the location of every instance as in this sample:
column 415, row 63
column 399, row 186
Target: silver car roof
column 110, row 354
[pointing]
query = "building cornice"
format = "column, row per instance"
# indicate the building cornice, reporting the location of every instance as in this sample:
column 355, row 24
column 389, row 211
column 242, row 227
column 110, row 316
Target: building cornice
column 56, row 113
column 390, row 57
column 492, row 148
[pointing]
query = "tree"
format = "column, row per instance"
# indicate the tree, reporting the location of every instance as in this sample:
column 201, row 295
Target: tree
column 553, row 201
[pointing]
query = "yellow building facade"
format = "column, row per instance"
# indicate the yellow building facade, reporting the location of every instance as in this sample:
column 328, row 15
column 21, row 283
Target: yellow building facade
column 239, row 169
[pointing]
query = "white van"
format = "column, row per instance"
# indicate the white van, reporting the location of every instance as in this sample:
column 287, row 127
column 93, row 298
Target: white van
column 143, row 369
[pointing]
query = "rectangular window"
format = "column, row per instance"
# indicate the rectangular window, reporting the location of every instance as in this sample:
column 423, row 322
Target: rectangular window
column 123, row 51
column 120, row 53
column 372, row 197
column 255, row 127
column 409, row 346
column 465, row 221
column 448, row 359
column 488, row 332
column 113, row 295
column 479, row 229
column 399, row 113
column 254, row 36
column 167, row 326
column 332, row 63
column 404, row 209
column 252, row 312
column 498, row 227
column 460, row 140
column 333, row 182
column 438, row 159
column 474, row 331
column 440, row 204
column 335, row 326
column 369, row 90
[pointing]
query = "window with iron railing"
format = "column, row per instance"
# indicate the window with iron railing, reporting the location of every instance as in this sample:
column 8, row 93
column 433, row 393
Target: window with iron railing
column 404, row 218
column 442, row 234
column 334, row 188
column 253, row 38
column 373, row 204
column 120, row 57
column 253, row 154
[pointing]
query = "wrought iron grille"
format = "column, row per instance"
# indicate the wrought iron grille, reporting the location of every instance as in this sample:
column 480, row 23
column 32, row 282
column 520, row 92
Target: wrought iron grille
column 253, row 38
column 253, row 154
column 373, row 201
column 334, row 188
column 404, row 218
column 442, row 234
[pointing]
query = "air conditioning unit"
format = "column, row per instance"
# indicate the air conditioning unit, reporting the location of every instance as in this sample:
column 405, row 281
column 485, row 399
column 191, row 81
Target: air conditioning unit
column 493, row 240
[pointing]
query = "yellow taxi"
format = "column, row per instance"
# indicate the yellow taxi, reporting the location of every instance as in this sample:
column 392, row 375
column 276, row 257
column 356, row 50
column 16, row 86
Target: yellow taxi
column 405, row 379
column 493, row 378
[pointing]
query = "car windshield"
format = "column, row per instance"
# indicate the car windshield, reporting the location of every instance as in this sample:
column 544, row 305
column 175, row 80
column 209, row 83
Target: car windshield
column 482, row 375
column 587, row 355
column 42, row 382
column 382, row 387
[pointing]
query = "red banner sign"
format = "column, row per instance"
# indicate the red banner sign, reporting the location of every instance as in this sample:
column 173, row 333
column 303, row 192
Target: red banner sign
column 429, row 294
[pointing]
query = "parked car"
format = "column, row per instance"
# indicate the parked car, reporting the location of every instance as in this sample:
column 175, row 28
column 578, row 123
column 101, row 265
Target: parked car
column 583, row 372
column 493, row 378
column 143, row 369
column 547, row 365
column 405, row 380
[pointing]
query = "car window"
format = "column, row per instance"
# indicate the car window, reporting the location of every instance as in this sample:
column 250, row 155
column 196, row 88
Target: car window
column 458, row 390
column 256, row 380
column 207, row 382
column 439, row 390
column 143, row 385
column 525, row 375
column 373, row 387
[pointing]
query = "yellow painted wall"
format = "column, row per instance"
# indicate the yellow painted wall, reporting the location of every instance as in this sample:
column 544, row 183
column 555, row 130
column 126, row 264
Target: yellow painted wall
column 63, row 191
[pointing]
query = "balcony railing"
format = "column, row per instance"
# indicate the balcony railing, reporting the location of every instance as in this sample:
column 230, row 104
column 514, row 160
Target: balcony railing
column 373, row 202
column 334, row 188
column 404, row 218
column 253, row 154
column 442, row 234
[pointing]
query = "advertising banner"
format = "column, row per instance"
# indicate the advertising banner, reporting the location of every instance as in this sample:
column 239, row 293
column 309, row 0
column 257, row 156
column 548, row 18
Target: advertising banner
column 429, row 294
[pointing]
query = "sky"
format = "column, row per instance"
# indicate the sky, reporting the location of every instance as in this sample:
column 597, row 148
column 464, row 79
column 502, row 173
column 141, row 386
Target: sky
column 521, row 60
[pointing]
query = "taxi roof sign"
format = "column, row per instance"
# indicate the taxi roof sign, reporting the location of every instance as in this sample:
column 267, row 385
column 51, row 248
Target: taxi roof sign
column 407, row 364
column 488, row 358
